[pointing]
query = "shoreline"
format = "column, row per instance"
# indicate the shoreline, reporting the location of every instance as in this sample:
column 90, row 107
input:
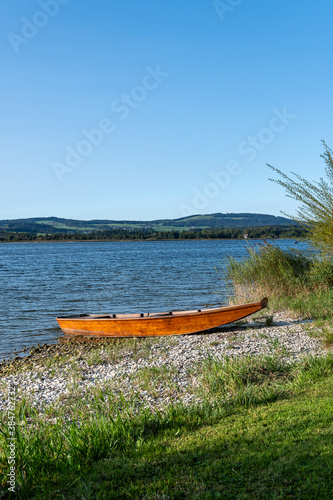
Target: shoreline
column 148, row 372
column 148, row 240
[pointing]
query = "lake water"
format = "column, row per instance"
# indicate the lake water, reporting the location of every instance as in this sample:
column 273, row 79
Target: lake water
column 39, row 281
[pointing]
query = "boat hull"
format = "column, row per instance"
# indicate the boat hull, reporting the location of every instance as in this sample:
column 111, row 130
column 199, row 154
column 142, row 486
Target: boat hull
column 158, row 324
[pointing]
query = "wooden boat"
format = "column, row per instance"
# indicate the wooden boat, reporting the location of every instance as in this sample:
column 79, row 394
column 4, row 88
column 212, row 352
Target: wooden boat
column 156, row 324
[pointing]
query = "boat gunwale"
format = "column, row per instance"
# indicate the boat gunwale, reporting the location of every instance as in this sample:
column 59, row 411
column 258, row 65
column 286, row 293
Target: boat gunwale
column 162, row 315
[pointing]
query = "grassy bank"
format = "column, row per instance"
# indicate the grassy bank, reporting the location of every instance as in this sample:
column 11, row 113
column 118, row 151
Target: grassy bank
column 269, row 451
column 294, row 281
column 264, row 430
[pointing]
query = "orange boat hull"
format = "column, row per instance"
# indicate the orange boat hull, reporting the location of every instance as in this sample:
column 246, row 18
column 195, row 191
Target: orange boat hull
column 157, row 324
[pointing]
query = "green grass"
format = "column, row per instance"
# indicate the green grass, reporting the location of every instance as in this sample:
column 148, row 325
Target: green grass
column 281, row 271
column 153, row 379
column 178, row 228
column 264, row 430
column 292, row 280
column 315, row 305
column 283, row 450
column 60, row 225
column 94, row 227
column 246, row 380
column 322, row 330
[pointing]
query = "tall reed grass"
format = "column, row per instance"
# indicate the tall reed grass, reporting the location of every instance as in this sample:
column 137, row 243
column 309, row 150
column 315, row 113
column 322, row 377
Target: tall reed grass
column 293, row 280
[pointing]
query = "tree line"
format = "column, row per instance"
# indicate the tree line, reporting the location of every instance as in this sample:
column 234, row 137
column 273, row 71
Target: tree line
column 151, row 234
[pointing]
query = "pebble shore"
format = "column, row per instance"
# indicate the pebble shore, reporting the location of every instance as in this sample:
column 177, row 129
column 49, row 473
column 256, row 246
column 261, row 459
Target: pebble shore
column 150, row 373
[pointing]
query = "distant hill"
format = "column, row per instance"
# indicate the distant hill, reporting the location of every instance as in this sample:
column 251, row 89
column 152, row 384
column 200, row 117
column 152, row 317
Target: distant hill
column 51, row 225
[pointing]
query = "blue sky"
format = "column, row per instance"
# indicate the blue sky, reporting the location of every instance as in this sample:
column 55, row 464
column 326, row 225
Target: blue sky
column 146, row 110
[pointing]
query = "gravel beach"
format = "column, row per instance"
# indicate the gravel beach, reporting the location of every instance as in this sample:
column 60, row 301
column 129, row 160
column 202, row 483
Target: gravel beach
column 146, row 373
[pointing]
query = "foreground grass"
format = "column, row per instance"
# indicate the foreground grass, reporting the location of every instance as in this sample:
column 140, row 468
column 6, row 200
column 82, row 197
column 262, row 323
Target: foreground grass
column 277, row 451
column 264, row 431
